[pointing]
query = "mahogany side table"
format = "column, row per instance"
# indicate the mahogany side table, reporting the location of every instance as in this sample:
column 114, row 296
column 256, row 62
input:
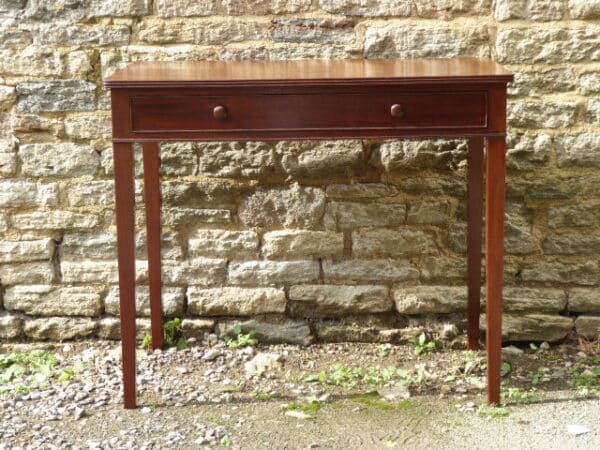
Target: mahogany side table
column 310, row 99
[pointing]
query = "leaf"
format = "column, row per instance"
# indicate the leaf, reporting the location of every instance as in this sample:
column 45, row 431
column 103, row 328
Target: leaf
column 66, row 375
column 182, row 343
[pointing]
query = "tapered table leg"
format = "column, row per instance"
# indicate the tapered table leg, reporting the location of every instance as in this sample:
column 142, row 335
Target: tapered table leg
column 495, row 200
column 152, row 199
column 125, row 203
column 475, row 212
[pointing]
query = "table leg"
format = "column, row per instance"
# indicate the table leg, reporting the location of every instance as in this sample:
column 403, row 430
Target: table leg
column 152, row 199
column 474, row 226
column 495, row 200
column 125, row 203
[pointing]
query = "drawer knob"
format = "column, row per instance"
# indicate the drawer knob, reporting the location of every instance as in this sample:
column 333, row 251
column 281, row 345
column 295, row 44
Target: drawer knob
column 397, row 111
column 220, row 112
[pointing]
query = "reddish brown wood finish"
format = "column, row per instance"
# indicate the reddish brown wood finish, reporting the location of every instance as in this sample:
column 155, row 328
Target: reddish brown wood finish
column 152, row 198
column 474, row 223
column 494, row 261
column 463, row 97
column 125, row 202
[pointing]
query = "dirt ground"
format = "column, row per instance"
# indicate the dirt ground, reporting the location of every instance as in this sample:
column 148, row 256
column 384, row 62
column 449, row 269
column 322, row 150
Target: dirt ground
column 330, row 396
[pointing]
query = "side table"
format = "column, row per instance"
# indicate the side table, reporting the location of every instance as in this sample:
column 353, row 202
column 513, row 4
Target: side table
column 311, row 99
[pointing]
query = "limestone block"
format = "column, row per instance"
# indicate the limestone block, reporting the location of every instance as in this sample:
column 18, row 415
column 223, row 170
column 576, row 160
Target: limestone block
column 273, row 272
column 50, row 300
column 301, row 244
column 235, row 301
column 369, row 270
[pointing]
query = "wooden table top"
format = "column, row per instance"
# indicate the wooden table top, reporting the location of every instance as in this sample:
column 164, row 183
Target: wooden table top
column 175, row 73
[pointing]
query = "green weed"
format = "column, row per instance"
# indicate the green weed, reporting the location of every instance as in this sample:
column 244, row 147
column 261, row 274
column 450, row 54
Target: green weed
column 422, row 345
column 241, row 339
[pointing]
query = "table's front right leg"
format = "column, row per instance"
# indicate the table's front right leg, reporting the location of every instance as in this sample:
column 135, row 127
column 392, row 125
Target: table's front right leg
column 125, row 207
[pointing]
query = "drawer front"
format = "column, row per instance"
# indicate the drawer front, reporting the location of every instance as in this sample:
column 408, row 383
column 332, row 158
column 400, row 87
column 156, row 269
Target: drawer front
column 306, row 111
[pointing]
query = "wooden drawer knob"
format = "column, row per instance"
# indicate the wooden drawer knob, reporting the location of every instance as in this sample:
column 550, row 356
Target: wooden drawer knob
column 220, row 112
column 397, row 111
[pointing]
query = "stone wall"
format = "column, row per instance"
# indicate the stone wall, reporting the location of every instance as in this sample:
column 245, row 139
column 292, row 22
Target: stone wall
column 300, row 241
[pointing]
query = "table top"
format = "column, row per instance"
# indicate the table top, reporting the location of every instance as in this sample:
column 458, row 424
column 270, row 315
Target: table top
column 183, row 73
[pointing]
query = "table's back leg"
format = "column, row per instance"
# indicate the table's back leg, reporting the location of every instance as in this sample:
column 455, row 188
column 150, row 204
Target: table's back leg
column 125, row 204
column 494, row 248
column 475, row 219
column 152, row 199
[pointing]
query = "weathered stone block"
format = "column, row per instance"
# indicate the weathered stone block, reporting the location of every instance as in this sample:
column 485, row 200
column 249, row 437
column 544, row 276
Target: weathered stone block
column 49, row 300
column 302, row 244
column 49, row 34
column 59, row 328
column 172, row 8
column 54, row 220
column 89, row 271
column 11, row 326
column 234, row 159
column 430, row 212
column 588, row 326
column 19, row 251
column 571, row 244
column 197, row 328
column 235, row 301
column 8, row 158
column 335, row 301
column 173, row 299
column 178, row 158
column 360, row 191
column 579, row 150
column 542, row 114
column 547, row 45
column 8, row 96
column 37, row 123
column 294, row 206
column 326, row 159
column 108, row 8
column 589, row 83
column 17, row 193
column 533, row 327
column 320, row 31
column 443, row 268
column 584, row 9
column 584, row 300
column 273, row 332
column 193, row 217
column 419, row 155
column 392, row 243
column 223, row 244
column 543, row 81
column 199, row 271
column 265, row 7
column 60, row 159
column 90, row 245
column 369, row 270
column 367, row 8
column 22, row 273
column 56, row 95
column 448, row 8
column 430, row 299
column 417, row 41
column 529, row 9
column 201, row 31
column 533, row 300
column 273, row 272
column 198, row 195
column 545, row 189
column 349, row 215
column 593, row 111
column 528, row 152
column 89, row 126
column 91, row 193
column 44, row 62
column 572, row 216
column 425, row 185
column 562, row 271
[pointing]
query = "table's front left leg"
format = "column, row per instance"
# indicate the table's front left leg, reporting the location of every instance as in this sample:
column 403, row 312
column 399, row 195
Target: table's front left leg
column 494, row 244
column 125, row 212
column 152, row 200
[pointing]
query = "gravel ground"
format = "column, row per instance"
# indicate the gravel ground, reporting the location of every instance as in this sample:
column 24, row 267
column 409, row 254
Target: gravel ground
column 289, row 397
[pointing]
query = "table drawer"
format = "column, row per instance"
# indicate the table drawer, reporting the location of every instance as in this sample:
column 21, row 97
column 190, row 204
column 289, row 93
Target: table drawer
column 198, row 113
